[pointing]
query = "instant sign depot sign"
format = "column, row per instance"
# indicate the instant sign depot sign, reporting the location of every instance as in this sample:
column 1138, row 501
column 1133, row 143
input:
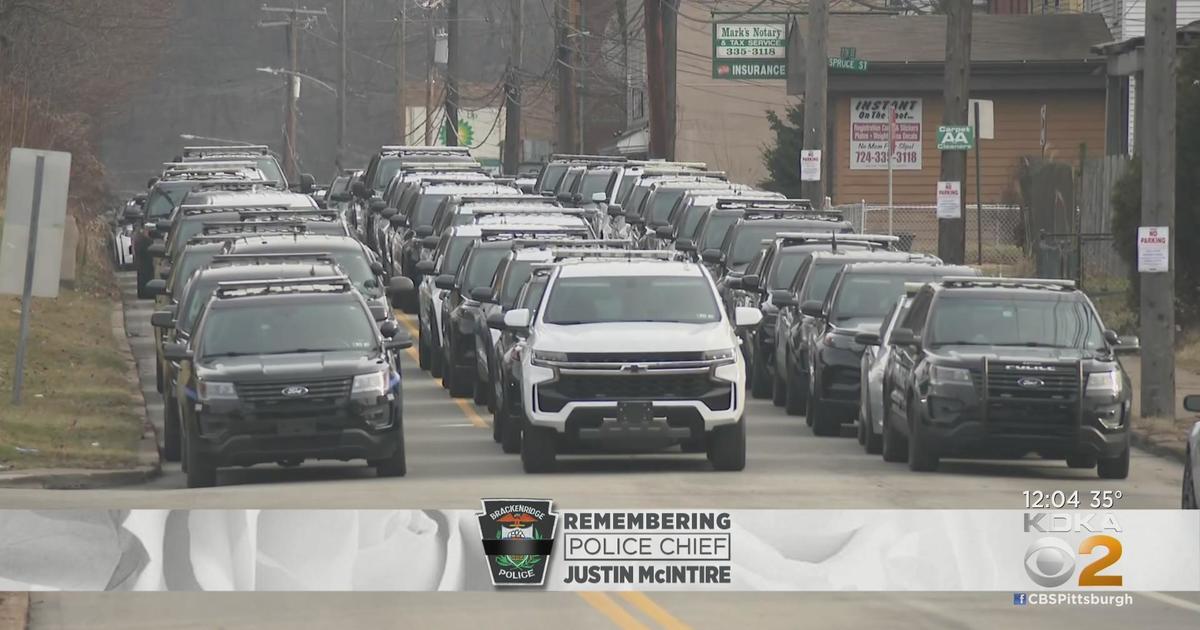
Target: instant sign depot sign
column 869, row 119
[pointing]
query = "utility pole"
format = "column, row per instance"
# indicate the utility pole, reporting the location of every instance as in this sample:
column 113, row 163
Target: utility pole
column 816, row 86
column 565, row 94
column 670, row 21
column 512, row 89
column 401, row 75
column 291, row 117
column 430, row 67
column 580, row 26
column 955, row 99
column 452, row 96
column 1158, row 208
column 656, row 78
column 343, row 38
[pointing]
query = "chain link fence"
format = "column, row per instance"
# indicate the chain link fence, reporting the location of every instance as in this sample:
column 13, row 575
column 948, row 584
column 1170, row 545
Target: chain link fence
column 995, row 237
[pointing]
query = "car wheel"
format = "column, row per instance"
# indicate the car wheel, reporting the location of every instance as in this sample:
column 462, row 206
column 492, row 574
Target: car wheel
column 539, row 449
column 201, row 471
column 893, row 448
column 394, row 466
column 1189, row 484
column 795, row 399
column 727, row 446
column 824, row 424
column 779, row 390
column 920, row 457
column 435, row 360
column 760, row 378
column 1081, row 461
column 158, row 375
column 510, row 428
column 482, row 394
column 172, row 445
column 1114, row 467
column 423, row 352
column 459, row 382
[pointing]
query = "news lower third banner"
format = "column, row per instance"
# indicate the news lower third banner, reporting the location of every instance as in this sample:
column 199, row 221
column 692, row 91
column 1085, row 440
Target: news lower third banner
column 529, row 544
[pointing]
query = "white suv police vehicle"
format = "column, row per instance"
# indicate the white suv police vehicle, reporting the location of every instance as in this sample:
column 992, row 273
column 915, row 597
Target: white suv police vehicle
column 632, row 351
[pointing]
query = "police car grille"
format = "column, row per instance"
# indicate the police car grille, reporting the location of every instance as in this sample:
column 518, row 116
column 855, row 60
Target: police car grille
column 327, row 390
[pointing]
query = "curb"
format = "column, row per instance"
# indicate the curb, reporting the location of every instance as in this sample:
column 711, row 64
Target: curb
column 1144, row 443
column 149, row 457
column 14, row 611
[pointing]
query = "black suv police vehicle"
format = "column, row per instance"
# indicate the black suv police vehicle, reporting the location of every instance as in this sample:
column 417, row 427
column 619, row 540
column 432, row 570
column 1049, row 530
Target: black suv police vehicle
column 291, row 369
column 1005, row 367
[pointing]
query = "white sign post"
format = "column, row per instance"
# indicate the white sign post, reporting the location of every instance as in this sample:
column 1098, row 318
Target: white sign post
column 877, row 124
column 810, row 165
column 949, row 200
column 1153, row 251
column 31, row 253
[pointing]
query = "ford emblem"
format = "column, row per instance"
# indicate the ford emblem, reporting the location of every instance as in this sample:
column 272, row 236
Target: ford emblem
column 1031, row 382
column 294, row 390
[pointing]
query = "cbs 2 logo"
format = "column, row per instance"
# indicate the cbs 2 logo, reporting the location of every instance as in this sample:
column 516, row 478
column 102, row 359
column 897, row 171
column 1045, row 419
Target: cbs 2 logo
column 1050, row 561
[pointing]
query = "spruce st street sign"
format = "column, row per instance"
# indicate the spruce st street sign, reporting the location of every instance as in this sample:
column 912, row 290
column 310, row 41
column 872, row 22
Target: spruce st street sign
column 750, row 50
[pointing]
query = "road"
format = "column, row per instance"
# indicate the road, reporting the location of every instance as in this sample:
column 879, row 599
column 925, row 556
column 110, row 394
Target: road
column 453, row 463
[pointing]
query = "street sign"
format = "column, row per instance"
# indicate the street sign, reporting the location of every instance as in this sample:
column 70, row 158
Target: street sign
column 949, row 200
column 856, row 66
column 848, row 52
column 810, row 165
column 987, row 120
column 749, row 50
column 31, row 252
column 955, row 138
column 1153, row 249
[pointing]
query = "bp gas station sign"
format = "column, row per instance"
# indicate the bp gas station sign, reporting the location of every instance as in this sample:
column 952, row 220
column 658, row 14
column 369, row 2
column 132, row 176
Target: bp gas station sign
column 750, row 50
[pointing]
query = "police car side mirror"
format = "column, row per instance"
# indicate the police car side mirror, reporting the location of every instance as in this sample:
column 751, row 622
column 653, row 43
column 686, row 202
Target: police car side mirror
column 482, row 294
column 429, row 242
column 685, row 245
column 746, row 317
column 359, row 189
column 400, row 286
column 782, row 297
column 813, row 308
column 867, row 339
column 176, row 352
column 397, row 221
column 156, row 287
column 518, row 319
column 904, row 337
column 163, row 319
column 711, row 255
column 663, row 231
column 423, row 230
column 388, row 213
column 402, row 341
column 444, row 282
column 425, row 267
column 566, row 197
column 750, row 282
column 599, row 197
column 377, row 205
column 615, row 210
column 495, row 321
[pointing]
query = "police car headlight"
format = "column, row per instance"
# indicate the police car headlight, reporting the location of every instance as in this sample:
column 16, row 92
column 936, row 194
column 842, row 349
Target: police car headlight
column 941, row 375
column 721, row 357
column 373, row 384
column 1104, row 383
column 545, row 358
column 215, row 390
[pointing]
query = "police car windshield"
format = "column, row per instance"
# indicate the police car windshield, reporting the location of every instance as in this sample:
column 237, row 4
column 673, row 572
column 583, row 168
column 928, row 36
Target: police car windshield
column 481, row 268
column 518, row 273
column 871, row 296
column 714, row 233
column 323, row 326
column 1057, row 321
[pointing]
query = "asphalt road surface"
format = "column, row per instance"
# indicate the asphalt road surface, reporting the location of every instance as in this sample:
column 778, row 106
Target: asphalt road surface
column 452, row 463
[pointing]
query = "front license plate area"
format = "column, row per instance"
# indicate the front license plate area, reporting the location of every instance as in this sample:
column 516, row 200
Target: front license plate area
column 297, row 427
column 635, row 412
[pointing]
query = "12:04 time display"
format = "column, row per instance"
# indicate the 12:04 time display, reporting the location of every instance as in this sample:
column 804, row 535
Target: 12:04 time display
column 1061, row 499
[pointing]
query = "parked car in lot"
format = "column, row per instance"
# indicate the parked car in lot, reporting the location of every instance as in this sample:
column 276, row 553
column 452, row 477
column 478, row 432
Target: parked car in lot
column 285, row 370
column 176, row 322
column 632, row 351
column 1005, row 367
column 861, row 294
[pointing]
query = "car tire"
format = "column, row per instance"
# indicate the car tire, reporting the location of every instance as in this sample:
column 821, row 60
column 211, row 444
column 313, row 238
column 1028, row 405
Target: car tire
column 1188, row 502
column 201, row 471
column 1114, row 467
column 1081, row 461
column 539, row 449
column 423, row 352
column 795, row 402
column 482, row 393
column 158, row 375
column 172, row 442
column 760, row 378
column 510, row 430
column 394, row 466
column 778, row 391
column 824, row 424
column 894, row 447
column 458, row 381
column 726, row 446
column 920, row 457
column 435, row 360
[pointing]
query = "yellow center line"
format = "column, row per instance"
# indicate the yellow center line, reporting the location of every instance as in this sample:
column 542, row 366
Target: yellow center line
column 467, row 407
column 611, row 609
column 651, row 609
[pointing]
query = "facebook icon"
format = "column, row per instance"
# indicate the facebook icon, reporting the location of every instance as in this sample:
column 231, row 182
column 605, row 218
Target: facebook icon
column 1020, row 599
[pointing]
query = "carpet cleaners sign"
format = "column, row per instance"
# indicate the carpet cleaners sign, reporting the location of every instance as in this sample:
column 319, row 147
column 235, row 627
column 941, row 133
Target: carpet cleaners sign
column 749, row 50
column 869, row 118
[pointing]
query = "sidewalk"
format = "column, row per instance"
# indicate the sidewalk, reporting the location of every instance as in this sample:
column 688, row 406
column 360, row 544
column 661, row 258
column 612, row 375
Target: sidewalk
column 149, row 461
column 1163, row 436
column 14, row 611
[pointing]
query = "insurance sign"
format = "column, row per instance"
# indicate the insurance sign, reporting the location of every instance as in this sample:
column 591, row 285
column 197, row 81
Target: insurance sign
column 749, row 50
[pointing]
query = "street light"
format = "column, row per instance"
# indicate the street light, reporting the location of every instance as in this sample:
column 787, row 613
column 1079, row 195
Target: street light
column 300, row 75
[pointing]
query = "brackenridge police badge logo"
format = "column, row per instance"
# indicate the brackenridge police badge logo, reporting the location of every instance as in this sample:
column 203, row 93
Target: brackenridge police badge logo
column 518, row 536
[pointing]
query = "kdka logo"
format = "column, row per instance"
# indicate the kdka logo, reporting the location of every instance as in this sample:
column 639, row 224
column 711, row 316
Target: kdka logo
column 518, row 536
